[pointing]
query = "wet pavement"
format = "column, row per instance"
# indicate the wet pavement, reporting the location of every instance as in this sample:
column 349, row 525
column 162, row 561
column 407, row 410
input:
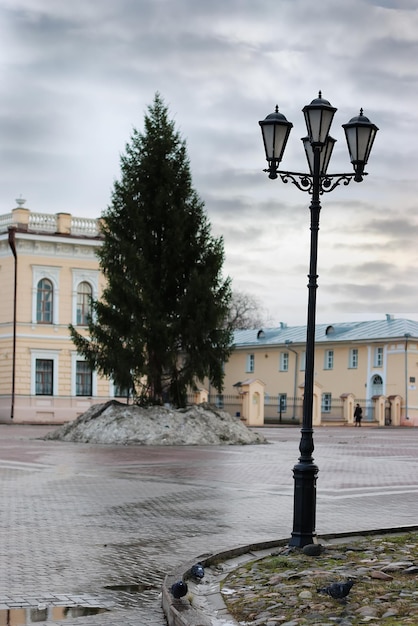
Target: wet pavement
column 100, row 526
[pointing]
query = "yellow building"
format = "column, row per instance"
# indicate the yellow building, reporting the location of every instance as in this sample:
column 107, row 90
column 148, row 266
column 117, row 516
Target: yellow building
column 48, row 273
column 374, row 363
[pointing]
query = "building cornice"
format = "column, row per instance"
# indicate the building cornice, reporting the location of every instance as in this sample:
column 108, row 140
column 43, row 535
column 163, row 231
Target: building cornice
column 50, row 245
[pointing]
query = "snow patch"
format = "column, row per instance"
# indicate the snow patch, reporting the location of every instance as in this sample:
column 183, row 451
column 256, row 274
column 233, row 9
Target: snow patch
column 116, row 423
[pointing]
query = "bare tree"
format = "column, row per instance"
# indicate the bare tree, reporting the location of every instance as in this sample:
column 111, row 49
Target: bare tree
column 245, row 311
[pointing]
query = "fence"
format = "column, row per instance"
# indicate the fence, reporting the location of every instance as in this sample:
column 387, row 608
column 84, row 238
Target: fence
column 230, row 403
column 287, row 410
column 369, row 410
column 280, row 409
column 332, row 409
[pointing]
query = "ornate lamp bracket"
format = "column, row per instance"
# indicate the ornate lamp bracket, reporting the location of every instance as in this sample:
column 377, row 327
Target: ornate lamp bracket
column 304, row 182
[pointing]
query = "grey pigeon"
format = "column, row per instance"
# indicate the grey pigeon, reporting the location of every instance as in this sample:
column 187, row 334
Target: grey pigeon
column 179, row 589
column 338, row 591
column 313, row 549
column 197, row 572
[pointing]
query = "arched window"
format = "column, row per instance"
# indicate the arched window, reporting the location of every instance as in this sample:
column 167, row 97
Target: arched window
column 84, row 296
column 44, row 300
column 377, row 385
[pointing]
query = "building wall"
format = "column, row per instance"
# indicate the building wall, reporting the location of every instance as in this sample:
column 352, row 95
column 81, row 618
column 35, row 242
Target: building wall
column 338, row 380
column 66, row 258
column 64, row 248
column 397, row 370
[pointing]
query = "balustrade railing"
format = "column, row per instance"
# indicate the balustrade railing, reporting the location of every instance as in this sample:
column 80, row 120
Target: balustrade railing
column 49, row 223
column 6, row 220
column 84, row 226
column 42, row 222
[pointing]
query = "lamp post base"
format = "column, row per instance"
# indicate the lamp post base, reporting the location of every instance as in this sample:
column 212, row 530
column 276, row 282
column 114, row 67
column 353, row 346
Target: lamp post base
column 304, row 504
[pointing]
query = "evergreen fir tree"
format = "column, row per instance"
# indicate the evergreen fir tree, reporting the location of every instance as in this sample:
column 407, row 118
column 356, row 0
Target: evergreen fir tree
column 159, row 326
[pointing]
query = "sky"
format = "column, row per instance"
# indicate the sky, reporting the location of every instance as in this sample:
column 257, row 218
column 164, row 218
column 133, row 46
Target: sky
column 77, row 77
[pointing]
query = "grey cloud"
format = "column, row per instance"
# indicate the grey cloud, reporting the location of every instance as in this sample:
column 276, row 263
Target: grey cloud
column 376, row 270
column 367, row 302
column 249, row 208
column 241, row 235
column 79, row 75
column 376, row 293
column 405, row 5
column 397, row 227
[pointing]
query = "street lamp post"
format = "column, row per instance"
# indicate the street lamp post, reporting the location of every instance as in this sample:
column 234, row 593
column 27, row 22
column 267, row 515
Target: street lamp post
column 360, row 134
column 295, row 380
column 407, row 336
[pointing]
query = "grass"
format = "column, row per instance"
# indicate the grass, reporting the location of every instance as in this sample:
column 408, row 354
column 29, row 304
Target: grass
column 284, row 585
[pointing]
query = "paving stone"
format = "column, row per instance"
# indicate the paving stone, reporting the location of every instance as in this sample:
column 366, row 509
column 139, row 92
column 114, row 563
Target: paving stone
column 77, row 519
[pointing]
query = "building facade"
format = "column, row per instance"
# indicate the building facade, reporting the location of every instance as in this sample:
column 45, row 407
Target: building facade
column 48, row 273
column 361, row 360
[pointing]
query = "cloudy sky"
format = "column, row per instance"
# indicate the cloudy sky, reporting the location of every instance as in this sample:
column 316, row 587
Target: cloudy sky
column 77, row 76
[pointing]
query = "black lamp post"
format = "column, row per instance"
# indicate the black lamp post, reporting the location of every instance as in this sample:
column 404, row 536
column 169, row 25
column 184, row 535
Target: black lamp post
column 360, row 134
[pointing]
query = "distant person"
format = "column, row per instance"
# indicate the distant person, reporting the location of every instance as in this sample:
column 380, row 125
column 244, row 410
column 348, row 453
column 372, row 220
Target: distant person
column 358, row 415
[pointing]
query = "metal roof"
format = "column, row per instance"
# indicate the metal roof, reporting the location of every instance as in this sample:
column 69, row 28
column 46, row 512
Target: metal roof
column 378, row 330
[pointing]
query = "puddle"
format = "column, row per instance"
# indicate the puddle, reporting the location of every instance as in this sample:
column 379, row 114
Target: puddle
column 32, row 615
column 128, row 588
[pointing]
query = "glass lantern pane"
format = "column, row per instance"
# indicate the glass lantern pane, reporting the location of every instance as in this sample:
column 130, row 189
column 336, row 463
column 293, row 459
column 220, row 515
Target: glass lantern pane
column 268, row 137
column 351, row 135
column 313, row 123
column 309, row 153
column 364, row 138
column 279, row 139
column 325, row 125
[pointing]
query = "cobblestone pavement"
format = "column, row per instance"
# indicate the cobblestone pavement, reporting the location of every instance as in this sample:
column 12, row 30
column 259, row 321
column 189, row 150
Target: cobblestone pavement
column 100, row 526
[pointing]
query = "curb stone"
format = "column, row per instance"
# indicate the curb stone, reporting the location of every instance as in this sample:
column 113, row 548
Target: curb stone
column 204, row 604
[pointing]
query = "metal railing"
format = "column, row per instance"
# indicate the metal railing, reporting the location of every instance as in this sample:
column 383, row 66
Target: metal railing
column 290, row 410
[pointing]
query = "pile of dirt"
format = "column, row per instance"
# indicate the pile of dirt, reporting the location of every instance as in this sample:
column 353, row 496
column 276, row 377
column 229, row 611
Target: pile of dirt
column 116, row 423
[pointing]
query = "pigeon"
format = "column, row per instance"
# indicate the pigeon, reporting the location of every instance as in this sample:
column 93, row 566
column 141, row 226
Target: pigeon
column 197, row 572
column 179, row 589
column 338, row 591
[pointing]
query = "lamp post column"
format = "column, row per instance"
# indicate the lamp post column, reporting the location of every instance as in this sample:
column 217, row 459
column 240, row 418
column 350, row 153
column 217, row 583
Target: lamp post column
column 305, row 471
column 360, row 134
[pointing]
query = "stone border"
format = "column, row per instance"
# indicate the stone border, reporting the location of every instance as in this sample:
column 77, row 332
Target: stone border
column 204, row 605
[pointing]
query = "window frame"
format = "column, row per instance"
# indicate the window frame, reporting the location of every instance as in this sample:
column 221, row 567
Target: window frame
column 87, row 375
column 329, row 359
column 44, row 301
column 74, row 358
column 45, row 387
column 117, row 392
column 282, row 403
column 353, row 359
column 84, row 276
column 326, row 402
column 219, row 401
column 378, row 356
column 284, row 362
column 84, row 304
column 250, row 363
column 45, row 355
column 51, row 273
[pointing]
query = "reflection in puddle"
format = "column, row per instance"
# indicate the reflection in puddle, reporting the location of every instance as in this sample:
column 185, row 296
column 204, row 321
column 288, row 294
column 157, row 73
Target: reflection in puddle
column 32, row 615
column 129, row 588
